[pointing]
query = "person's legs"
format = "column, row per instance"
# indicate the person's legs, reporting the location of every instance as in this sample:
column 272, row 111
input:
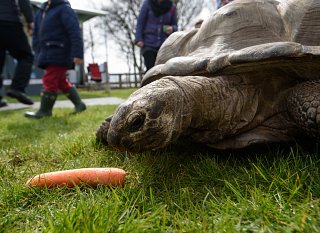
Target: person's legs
column 20, row 49
column 18, row 46
column 149, row 58
column 63, row 84
column 50, row 82
column 74, row 97
column 71, row 92
column 52, row 79
column 2, row 57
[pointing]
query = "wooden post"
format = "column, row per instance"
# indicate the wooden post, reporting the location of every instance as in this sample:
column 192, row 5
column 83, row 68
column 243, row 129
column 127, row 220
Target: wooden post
column 120, row 81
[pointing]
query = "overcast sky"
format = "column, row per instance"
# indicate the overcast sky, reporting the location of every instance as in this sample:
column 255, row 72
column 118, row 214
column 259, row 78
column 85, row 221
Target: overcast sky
column 116, row 64
column 81, row 3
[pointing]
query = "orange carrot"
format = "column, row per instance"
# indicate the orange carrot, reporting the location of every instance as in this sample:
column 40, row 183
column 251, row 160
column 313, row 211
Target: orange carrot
column 75, row 177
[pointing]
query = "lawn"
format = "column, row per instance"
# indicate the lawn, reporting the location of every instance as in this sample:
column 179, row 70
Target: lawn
column 120, row 93
column 182, row 188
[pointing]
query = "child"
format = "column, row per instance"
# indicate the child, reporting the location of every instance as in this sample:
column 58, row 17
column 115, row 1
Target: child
column 58, row 45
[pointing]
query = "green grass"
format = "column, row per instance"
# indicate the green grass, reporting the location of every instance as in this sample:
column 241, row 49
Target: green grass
column 120, row 93
column 182, row 188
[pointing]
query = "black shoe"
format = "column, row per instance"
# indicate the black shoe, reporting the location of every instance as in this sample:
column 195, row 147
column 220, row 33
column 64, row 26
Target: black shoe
column 20, row 96
column 3, row 103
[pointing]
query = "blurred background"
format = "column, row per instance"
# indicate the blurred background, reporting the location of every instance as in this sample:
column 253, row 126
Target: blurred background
column 111, row 58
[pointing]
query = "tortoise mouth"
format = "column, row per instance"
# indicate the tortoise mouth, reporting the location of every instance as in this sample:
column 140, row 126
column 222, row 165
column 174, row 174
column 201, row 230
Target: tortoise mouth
column 138, row 142
column 102, row 132
column 127, row 144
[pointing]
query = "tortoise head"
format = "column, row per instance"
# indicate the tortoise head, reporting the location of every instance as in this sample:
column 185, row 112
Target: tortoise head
column 147, row 120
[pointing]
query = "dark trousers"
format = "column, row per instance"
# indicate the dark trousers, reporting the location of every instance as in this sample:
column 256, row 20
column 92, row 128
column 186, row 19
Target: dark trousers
column 14, row 40
column 150, row 55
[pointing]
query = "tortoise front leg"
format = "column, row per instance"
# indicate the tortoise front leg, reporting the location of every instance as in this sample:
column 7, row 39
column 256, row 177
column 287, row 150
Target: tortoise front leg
column 102, row 132
column 304, row 107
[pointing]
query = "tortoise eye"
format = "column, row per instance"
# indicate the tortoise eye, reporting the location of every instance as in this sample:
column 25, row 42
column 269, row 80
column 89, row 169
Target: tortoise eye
column 135, row 122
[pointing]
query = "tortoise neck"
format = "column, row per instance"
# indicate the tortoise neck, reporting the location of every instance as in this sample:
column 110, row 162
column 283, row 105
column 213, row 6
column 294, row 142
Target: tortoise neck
column 218, row 106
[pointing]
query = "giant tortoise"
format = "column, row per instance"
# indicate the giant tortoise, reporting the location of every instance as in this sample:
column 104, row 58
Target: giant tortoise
column 250, row 75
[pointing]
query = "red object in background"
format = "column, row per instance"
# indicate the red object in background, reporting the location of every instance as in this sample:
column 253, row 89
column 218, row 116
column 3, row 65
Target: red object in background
column 95, row 72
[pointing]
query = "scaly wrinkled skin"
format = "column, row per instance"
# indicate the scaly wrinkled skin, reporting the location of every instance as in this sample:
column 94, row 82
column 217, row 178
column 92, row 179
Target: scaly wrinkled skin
column 145, row 121
column 212, row 111
column 248, row 76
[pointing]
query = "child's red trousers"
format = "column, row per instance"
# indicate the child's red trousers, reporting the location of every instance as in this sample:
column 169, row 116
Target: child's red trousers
column 55, row 79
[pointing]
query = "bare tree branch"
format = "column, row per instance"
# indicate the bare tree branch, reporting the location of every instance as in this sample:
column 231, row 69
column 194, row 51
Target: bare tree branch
column 120, row 23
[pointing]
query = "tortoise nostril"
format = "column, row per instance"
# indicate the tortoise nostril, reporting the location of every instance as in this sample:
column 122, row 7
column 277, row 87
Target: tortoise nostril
column 113, row 138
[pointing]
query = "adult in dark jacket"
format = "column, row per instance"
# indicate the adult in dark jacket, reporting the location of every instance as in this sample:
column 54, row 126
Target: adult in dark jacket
column 58, row 46
column 157, row 20
column 14, row 40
